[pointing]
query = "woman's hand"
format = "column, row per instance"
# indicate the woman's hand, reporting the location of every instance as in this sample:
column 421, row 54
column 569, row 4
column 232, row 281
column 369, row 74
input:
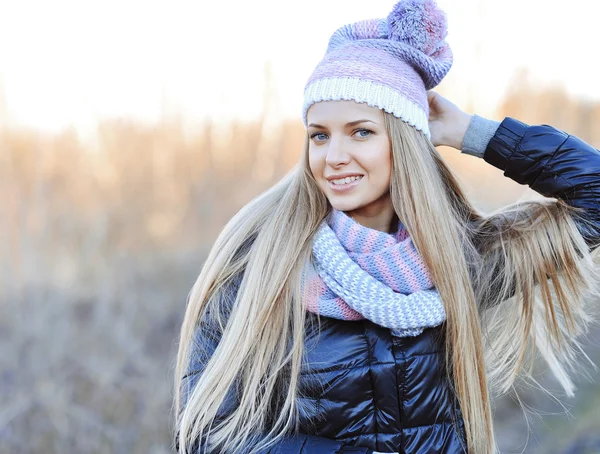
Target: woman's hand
column 447, row 123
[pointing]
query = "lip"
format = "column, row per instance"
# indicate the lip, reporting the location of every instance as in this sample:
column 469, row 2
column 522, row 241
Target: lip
column 344, row 187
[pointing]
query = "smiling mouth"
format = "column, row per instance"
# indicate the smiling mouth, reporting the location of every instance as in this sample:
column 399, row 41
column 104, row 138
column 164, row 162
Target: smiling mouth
column 345, row 181
column 345, row 184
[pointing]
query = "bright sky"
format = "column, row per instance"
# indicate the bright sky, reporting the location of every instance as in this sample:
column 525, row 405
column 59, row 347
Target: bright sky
column 73, row 62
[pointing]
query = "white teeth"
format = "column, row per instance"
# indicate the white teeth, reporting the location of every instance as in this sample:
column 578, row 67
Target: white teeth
column 346, row 180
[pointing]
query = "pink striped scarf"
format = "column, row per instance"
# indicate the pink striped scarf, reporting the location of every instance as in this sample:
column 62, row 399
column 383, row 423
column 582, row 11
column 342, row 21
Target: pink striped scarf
column 391, row 259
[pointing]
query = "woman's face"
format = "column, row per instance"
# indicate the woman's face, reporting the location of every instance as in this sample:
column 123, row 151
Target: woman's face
column 350, row 155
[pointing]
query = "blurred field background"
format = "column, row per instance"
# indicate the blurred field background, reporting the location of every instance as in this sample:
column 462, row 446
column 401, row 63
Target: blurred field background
column 105, row 228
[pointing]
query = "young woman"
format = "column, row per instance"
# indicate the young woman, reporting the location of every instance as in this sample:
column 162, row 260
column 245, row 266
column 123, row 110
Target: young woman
column 363, row 304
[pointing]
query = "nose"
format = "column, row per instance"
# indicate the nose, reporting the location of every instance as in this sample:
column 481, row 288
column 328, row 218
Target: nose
column 336, row 155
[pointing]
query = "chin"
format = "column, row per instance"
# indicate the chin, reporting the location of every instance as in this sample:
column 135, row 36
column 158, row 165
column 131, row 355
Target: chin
column 344, row 205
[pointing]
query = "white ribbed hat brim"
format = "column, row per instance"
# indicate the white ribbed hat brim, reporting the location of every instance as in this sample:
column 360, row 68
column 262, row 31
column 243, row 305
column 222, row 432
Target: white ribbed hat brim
column 365, row 91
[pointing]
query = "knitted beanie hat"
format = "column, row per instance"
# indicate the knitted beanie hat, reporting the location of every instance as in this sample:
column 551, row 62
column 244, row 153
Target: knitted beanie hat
column 387, row 63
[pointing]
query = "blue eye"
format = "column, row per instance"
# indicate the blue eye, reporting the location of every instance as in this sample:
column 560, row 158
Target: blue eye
column 363, row 133
column 319, row 136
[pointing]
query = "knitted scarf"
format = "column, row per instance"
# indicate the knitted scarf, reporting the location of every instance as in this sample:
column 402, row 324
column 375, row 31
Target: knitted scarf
column 357, row 273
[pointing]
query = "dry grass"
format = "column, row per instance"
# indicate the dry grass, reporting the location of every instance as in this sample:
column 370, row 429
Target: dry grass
column 102, row 243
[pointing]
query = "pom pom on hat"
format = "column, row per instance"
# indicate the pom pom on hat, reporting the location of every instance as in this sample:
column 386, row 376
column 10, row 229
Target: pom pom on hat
column 419, row 23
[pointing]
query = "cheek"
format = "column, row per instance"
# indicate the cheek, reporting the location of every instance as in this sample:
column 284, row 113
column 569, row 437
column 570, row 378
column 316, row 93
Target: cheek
column 380, row 165
column 315, row 164
column 386, row 164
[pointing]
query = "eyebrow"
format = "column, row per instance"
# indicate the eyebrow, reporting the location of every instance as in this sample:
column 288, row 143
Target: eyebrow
column 352, row 123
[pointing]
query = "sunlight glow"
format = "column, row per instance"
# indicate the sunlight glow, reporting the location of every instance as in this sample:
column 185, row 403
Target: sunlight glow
column 70, row 62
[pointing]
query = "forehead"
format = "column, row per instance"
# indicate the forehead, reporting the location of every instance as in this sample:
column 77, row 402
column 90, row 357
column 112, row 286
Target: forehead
column 342, row 112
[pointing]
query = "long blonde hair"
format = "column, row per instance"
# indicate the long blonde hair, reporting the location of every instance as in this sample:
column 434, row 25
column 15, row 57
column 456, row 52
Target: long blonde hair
column 510, row 281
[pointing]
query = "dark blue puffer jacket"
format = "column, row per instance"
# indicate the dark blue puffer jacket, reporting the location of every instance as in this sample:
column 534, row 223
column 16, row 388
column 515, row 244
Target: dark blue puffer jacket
column 364, row 389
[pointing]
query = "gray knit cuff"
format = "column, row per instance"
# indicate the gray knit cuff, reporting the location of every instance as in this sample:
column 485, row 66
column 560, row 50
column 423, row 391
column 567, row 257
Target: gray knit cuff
column 478, row 135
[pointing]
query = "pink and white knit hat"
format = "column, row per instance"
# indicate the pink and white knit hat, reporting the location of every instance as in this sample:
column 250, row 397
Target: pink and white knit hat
column 387, row 63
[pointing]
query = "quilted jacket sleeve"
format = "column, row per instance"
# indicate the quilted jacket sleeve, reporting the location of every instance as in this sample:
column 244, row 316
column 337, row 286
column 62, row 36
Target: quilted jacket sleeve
column 205, row 342
column 554, row 164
